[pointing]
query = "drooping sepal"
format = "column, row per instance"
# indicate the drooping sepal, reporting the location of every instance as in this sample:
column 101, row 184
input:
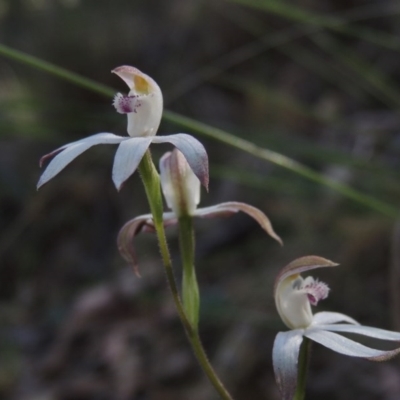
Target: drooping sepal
column 328, row 317
column 285, row 355
column 127, row 234
column 349, row 347
column 368, row 331
column 232, row 207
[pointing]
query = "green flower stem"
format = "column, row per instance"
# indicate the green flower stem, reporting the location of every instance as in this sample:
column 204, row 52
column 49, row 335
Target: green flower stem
column 151, row 181
column 302, row 369
column 190, row 287
column 207, row 367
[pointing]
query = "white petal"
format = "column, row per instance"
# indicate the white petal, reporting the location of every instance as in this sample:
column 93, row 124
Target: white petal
column 194, row 152
column 127, row 158
column 326, row 317
column 69, row 152
column 345, row 346
column 363, row 330
column 285, row 355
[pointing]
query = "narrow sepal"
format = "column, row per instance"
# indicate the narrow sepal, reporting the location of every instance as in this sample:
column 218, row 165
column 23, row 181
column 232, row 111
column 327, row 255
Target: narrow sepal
column 67, row 153
column 346, row 346
column 214, row 211
column 127, row 158
column 285, row 355
column 300, row 265
column 327, row 317
column 194, row 152
column 368, row 331
column 231, row 207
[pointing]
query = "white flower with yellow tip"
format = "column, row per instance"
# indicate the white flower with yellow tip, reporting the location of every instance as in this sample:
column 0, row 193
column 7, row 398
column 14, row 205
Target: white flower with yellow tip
column 294, row 297
column 143, row 106
column 181, row 190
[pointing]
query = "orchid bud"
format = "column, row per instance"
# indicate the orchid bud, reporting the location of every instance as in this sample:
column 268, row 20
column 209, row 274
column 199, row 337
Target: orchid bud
column 179, row 184
column 143, row 104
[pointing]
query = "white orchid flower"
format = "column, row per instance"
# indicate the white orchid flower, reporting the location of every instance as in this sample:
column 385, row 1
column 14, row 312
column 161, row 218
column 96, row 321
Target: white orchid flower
column 294, row 297
column 181, row 190
column 143, row 106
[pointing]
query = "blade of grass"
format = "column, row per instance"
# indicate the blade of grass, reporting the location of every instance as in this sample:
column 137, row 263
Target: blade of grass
column 353, row 73
column 300, row 148
column 276, row 99
column 367, row 78
column 239, row 55
column 55, row 70
column 298, row 14
column 322, row 68
column 373, row 80
column 212, row 132
column 303, row 56
column 268, row 98
column 257, row 181
column 297, row 52
column 282, row 161
column 264, row 42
